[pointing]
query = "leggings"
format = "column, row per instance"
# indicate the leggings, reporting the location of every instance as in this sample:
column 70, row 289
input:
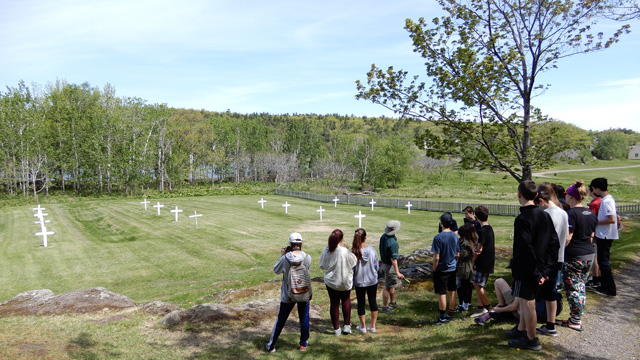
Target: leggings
column 370, row 292
column 574, row 275
column 335, row 298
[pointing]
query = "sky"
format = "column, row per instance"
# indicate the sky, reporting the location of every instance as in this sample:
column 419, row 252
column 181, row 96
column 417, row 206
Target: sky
column 275, row 56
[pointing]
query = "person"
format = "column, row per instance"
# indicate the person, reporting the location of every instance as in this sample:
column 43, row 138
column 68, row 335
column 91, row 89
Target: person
column 389, row 255
column 484, row 258
column 548, row 201
column 579, row 253
column 594, row 206
column 559, row 189
column 365, row 279
column 454, row 225
column 291, row 255
column 534, row 257
column 506, row 303
column 468, row 241
column 446, row 249
column 469, row 217
column 338, row 262
column 606, row 233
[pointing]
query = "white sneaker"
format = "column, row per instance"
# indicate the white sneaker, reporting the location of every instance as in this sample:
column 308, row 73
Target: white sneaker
column 371, row 329
column 479, row 312
column 346, row 329
column 362, row 329
column 337, row 332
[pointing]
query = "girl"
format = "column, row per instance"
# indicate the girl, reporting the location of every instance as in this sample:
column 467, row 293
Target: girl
column 468, row 242
column 365, row 278
column 337, row 263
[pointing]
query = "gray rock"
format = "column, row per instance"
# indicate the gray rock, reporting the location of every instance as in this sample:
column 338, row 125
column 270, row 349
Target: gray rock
column 159, row 308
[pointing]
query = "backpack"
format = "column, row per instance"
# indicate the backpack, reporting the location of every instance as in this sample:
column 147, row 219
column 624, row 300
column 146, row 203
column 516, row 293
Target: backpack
column 299, row 282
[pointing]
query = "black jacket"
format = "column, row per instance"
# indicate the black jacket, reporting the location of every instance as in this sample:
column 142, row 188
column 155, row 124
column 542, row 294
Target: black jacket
column 535, row 245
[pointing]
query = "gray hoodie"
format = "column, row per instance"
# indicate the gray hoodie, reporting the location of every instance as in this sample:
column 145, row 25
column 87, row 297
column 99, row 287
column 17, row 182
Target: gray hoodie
column 282, row 266
column 365, row 273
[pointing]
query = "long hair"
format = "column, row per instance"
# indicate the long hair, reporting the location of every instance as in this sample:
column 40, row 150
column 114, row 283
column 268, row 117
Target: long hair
column 334, row 239
column 547, row 192
column 358, row 239
column 468, row 232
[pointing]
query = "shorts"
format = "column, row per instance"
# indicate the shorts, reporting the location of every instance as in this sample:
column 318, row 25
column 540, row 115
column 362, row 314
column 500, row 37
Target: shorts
column 390, row 276
column 444, row 281
column 547, row 291
column 508, row 296
column 525, row 289
column 479, row 278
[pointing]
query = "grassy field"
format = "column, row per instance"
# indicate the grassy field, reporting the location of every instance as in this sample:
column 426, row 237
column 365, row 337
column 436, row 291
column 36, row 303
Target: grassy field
column 117, row 245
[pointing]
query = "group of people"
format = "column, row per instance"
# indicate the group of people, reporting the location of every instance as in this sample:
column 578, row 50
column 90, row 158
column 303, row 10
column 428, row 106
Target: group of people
column 554, row 242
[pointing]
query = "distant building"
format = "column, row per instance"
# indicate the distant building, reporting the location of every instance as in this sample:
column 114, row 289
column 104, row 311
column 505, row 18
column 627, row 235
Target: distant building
column 634, row 152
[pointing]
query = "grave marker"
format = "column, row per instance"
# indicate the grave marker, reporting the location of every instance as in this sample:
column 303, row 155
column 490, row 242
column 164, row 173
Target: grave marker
column 321, row 211
column 372, row 203
column 335, row 201
column 145, row 202
column 44, row 234
column 158, row 206
column 286, row 207
column 195, row 216
column 176, row 211
column 39, row 209
column 262, row 201
column 360, row 216
column 408, row 206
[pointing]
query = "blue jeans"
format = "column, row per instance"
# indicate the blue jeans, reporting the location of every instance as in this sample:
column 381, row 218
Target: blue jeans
column 283, row 314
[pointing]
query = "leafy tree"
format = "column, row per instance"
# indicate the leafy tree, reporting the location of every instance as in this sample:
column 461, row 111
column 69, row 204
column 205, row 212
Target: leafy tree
column 484, row 58
column 611, row 145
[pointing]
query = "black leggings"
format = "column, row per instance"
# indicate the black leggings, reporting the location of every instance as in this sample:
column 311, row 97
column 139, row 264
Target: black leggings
column 370, row 292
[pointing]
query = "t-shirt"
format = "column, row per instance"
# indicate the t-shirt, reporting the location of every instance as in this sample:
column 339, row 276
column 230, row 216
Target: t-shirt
column 447, row 245
column 594, row 205
column 560, row 223
column 582, row 223
column 487, row 258
column 454, row 226
column 607, row 208
column 389, row 249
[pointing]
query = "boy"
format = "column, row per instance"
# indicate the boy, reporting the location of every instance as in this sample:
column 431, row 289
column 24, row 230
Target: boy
column 606, row 232
column 469, row 217
column 534, row 257
column 484, row 258
column 446, row 249
column 389, row 255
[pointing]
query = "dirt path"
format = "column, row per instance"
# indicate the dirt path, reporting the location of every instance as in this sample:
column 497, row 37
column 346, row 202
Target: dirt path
column 612, row 324
column 544, row 173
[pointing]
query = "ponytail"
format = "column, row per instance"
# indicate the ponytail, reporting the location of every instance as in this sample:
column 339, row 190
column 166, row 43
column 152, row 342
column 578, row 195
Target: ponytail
column 358, row 239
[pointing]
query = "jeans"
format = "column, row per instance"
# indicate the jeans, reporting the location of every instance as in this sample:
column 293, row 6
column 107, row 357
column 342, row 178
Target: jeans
column 283, row 314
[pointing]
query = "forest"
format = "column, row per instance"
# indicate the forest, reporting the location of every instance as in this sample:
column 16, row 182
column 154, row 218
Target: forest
column 86, row 140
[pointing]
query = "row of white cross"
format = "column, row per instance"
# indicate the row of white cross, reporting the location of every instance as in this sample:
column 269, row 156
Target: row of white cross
column 43, row 228
column 176, row 211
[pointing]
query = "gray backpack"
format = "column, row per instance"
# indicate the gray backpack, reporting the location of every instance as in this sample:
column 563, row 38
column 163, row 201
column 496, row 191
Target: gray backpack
column 299, row 282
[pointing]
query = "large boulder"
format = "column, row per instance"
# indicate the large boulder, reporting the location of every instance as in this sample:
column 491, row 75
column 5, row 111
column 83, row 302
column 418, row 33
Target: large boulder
column 44, row 302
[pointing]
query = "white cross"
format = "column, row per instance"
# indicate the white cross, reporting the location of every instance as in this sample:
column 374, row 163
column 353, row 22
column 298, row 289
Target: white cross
column 372, row 202
column 44, row 234
column 39, row 209
column 145, row 202
column 42, row 221
column 321, row 211
column 360, row 216
column 335, row 201
column 40, row 214
column 286, row 207
column 408, row 206
column 176, row 211
column 158, row 206
column 262, row 201
column 196, row 216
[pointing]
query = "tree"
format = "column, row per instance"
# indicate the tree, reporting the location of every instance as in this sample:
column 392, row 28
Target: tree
column 611, row 145
column 484, row 59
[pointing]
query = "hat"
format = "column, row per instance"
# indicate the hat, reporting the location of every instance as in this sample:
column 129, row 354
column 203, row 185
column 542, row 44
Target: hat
column 446, row 220
column 392, row 227
column 295, row 238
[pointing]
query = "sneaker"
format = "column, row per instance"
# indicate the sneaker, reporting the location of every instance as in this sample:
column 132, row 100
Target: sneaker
column 479, row 312
column 337, row 332
column 361, row 329
column 515, row 333
column 346, row 329
column 371, row 329
column 394, row 305
column 600, row 291
column 544, row 331
column 592, row 284
column 459, row 308
column 386, row 310
column 271, row 350
column 303, row 348
column 480, row 321
column 448, row 317
column 525, row 343
column 442, row 320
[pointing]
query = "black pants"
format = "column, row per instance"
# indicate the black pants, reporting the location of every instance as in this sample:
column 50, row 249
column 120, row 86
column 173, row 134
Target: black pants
column 607, row 284
column 465, row 290
column 369, row 292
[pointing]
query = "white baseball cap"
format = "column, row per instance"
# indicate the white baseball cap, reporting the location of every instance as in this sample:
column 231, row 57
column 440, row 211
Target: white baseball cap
column 295, row 238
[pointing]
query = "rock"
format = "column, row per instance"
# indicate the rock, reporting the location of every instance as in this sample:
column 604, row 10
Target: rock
column 253, row 311
column 44, row 302
column 159, row 308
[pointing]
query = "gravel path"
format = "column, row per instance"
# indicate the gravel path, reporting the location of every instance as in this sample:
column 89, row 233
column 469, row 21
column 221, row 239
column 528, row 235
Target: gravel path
column 612, row 324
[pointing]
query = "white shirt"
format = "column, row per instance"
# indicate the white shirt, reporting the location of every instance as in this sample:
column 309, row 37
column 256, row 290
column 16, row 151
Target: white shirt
column 561, row 224
column 607, row 208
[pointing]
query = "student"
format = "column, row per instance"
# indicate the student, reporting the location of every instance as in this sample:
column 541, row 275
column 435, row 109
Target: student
column 534, row 257
column 469, row 217
column 606, row 233
column 506, row 303
column 468, row 241
column 484, row 259
column 338, row 262
column 548, row 201
column 446, row 250
column 579, row 253
column 290, row 255
column 454, row 224
column 365, row 279
column 389, row 255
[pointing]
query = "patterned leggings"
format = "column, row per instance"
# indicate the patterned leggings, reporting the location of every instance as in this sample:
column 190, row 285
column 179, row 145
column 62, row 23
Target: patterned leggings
column 574, row 276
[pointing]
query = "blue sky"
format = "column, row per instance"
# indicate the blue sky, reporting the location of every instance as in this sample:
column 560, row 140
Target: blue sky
column 275, row 57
